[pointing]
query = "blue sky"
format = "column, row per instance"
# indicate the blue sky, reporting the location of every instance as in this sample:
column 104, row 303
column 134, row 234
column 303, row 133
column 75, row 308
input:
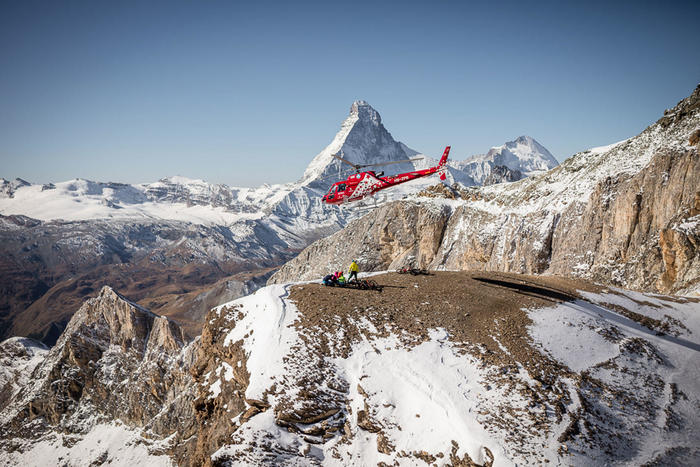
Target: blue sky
column 246, row 93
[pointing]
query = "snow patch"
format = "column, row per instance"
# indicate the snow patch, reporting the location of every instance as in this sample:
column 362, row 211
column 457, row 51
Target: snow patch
column 110, row 444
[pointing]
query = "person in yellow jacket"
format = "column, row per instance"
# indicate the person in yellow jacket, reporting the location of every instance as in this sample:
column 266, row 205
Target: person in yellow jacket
column 354, row 268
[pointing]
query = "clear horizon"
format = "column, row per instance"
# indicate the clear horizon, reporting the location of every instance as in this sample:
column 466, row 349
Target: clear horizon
column 249, row 94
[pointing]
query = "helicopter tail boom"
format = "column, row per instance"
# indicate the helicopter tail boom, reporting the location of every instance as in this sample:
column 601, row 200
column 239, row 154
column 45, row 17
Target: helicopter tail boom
column 443, row 160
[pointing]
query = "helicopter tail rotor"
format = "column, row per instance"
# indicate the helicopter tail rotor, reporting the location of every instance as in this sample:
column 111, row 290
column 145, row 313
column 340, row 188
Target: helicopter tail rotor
column 443, row 162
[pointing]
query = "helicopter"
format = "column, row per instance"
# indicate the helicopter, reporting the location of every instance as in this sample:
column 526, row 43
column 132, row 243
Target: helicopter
column 362, row 184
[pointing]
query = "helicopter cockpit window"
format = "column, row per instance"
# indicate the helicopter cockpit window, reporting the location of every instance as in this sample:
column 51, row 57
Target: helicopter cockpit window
column 331, row 192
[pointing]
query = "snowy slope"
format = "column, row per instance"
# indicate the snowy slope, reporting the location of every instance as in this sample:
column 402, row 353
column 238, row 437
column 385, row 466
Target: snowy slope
column 640, row 385
column 564, row 372
column 417, row 398
column 103, row 444
column 18, row 358
column 401, row 381
column 174, row 198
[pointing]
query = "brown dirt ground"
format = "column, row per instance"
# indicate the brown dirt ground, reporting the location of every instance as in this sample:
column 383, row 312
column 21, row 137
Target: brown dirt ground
column 474, row 307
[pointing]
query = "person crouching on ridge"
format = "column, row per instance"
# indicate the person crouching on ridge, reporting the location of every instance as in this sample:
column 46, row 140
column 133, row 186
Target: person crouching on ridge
column 354, row 268
column 341, row 279
column 328, row 279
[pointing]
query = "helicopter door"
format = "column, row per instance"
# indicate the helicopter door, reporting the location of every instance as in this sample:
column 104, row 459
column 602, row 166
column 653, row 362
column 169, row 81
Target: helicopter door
column 341, row 191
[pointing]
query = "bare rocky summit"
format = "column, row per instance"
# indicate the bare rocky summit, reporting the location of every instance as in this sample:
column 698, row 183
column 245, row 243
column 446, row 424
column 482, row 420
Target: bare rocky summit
column 502, row 174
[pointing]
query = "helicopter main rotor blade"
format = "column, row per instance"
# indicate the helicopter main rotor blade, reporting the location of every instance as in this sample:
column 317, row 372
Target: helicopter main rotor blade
column 355, row 166
column 338, row 177
column 393, row 162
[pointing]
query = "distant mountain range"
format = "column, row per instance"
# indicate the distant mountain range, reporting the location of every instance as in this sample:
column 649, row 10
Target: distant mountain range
column 524, row 155
column 362, row 139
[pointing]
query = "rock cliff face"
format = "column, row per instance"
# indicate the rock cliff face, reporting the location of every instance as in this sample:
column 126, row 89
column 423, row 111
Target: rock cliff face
column 114, row 361
column 625, row 214
column 642, row 232
column 501, row 174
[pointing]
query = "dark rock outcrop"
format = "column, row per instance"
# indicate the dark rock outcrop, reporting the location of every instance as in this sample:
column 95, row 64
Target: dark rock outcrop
column 502, row 174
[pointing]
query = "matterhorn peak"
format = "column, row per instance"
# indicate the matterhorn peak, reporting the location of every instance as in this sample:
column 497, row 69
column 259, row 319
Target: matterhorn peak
column 365, row 112
column 362, row 139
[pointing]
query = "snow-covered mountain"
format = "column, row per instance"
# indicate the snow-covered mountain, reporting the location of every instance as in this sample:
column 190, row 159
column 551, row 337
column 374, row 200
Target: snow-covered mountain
column 362, row 139
column 7, row 187
column 524, row 154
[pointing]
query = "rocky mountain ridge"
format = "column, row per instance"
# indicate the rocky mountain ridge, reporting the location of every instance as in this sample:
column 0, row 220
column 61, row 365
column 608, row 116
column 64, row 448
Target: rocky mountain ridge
column 114, row 361
column 626, row 214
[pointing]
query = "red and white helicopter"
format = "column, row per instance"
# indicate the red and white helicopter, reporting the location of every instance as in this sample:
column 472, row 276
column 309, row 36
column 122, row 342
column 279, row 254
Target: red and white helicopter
column 362, row 184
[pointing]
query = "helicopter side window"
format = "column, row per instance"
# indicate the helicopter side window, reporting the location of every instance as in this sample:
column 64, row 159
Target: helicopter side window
column 331, row 192
column 341, row 187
